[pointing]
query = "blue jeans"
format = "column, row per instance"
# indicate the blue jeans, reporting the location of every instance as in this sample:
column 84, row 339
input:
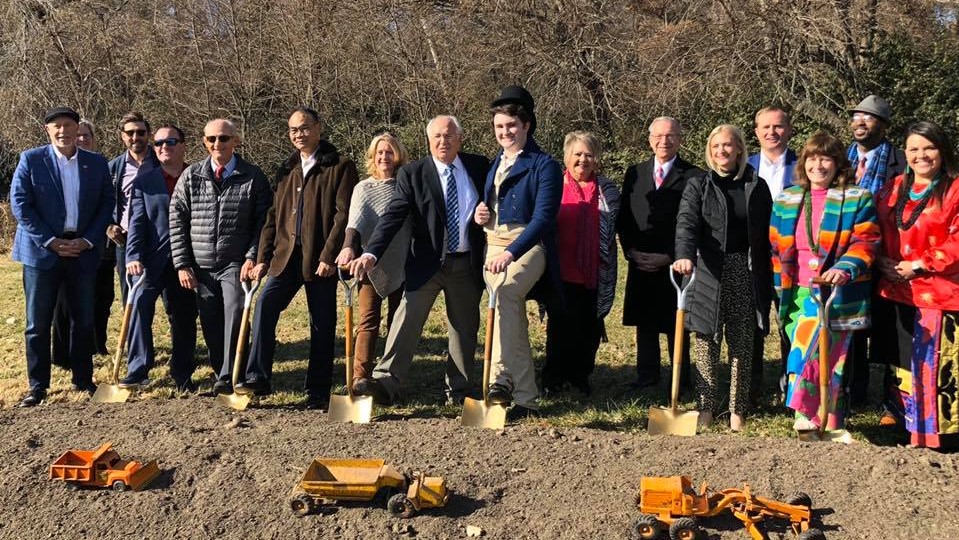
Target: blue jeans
column 181, row 310
column 40, row 288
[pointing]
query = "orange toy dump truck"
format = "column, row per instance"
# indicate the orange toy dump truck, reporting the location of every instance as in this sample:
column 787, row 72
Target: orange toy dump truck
column 672, row 502
column 102, row 468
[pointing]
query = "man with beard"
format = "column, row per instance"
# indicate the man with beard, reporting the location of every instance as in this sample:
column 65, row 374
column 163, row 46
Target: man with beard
column 875, row 161
column 303, row 233
column 135, row 134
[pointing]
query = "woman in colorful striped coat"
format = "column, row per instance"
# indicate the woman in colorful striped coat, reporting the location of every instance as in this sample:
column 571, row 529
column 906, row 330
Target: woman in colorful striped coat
column 824, row 226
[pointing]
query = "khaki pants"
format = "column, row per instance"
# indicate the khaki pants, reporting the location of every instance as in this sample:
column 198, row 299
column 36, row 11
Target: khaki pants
column 512, row 362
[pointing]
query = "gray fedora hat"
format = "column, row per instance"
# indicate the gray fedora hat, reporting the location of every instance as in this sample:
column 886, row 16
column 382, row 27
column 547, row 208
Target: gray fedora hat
column 875, row 106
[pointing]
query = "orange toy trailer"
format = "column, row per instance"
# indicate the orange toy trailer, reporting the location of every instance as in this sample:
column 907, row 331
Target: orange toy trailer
column 672, row 502
column 102, row 468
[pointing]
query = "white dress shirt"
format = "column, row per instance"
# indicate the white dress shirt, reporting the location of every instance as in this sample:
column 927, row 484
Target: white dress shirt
column 668, row 166
column 773, row 172
column 69, row 170
column 307, row 163
column 466, row 196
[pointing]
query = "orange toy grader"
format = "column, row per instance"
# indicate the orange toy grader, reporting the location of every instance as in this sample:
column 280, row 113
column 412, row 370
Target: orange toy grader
column 102, row 468
column 672, row 504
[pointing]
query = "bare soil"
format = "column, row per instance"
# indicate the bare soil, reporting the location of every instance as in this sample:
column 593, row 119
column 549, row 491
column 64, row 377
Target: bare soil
column 228, row 474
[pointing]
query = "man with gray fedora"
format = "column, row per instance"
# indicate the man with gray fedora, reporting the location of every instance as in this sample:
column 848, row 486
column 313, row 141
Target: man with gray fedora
column 875, row 161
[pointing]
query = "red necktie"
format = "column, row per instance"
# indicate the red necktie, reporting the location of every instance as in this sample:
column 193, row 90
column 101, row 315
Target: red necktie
column 659, row 177
column 861, row 169
column 219, row 173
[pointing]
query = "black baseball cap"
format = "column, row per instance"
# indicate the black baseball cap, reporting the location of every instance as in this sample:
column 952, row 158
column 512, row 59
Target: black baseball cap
column 55, row 113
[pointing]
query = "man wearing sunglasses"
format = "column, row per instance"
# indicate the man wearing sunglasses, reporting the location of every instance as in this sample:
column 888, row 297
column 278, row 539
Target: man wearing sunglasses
column 148, row 250
column 135, row 135
column 217, row 210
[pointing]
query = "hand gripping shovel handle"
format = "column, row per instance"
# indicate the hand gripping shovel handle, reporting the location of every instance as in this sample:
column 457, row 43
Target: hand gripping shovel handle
column 823, row 346
column 133, row 286
column 490, row 321
column 678, row 335
column 350, row 286
column 249, row 289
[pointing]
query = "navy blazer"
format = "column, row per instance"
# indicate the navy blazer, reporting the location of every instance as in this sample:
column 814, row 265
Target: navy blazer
column 36, row 199
column 530, row 195
column 419, row 197
column 148, row 236
column 790, row 166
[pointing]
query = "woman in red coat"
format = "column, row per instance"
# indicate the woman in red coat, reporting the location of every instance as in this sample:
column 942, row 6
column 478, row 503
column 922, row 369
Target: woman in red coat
column 919, row 219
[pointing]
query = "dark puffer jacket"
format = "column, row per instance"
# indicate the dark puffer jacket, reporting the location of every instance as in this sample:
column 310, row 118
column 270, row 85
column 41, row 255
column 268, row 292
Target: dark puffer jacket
column 701, row 237
column 216, row 224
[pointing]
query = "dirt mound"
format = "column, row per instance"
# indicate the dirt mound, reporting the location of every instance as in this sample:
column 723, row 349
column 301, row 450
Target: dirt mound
column 229, row 473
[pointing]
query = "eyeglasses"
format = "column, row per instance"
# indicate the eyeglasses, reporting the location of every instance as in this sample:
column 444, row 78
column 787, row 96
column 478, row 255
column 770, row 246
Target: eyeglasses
column 84, row 136
column 661, row 136
column 304, row 129
column 172, row 141
column 862, row 117
column 136, row 132
column 214, row 138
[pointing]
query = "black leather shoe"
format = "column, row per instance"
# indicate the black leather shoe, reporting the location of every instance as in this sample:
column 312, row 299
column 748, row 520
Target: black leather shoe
column 89, row 387
column 33, row 398
column 222, row 387
column 317, row 403
column 187, row 387
column 374, row 388
column 519, row 412
column 499, row 395
column 257, row 387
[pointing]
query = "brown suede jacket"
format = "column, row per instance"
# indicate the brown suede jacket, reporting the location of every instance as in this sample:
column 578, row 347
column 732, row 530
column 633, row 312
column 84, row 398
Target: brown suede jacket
column 326, row 193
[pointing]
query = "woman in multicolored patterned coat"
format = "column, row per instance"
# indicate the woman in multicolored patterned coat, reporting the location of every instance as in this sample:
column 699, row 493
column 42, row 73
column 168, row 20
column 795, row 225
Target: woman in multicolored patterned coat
column 919, row 265
column 825, row 227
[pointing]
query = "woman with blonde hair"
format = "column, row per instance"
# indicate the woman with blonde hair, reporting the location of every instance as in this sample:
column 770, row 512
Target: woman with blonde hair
column 723, row 232
column 586, row 244
column 371, row 196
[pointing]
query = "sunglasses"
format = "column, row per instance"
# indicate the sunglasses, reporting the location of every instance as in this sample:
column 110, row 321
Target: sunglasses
column 172, row 141
column 214, row 138
column 862, row 117
column 137, row 132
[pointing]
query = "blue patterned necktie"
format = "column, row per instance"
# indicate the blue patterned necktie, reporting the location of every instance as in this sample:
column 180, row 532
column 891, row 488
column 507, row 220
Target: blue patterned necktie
column 452, row 212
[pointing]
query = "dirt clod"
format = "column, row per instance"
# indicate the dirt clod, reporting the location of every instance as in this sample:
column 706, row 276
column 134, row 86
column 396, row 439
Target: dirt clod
column 474, row 532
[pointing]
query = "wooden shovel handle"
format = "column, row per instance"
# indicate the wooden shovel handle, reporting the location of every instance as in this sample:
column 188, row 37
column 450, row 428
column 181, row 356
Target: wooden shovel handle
column 488, row 351
column 677, row 357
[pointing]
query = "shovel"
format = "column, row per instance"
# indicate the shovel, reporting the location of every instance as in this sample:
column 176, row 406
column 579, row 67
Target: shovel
column 672, row 421
column 237, row 401
column 480, row 413
column 839, row 435
column 112, row 393
column 350, row 408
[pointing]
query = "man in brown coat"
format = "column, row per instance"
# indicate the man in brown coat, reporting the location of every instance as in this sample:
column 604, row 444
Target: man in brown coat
column 300, row 240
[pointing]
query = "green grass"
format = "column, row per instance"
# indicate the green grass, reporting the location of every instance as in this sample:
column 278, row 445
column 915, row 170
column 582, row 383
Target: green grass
column 612, row 406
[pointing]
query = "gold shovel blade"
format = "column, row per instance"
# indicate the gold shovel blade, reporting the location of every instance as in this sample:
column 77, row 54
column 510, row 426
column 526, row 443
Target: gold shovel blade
column 666, row 421
column 110, row 393
column 356, row 409
column 476, row 413
column 237, row 402
column 839, row 436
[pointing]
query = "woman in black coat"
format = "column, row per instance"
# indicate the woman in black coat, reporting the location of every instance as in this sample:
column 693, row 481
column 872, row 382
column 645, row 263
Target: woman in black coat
column 723, row 231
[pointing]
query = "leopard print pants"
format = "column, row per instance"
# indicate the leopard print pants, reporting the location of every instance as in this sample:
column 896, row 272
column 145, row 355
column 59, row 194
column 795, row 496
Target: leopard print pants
column 737, row 323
